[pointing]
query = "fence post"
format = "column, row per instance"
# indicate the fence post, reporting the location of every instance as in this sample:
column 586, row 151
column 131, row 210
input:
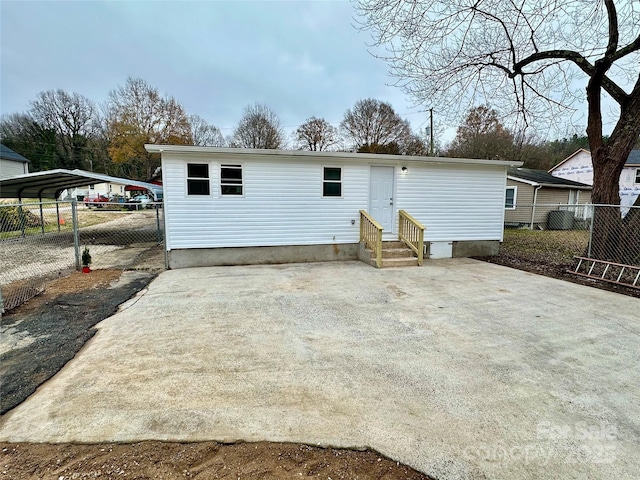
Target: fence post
column 593, row 214
column 76, row 239
column 158, row 237
column 22, row 219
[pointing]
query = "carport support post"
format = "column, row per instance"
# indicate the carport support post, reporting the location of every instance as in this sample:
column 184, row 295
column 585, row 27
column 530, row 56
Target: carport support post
column 41, row 217
column 58, row 214
column 76, row 240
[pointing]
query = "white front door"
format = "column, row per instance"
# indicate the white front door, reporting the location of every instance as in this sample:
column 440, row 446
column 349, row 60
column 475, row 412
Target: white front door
column 381, row 196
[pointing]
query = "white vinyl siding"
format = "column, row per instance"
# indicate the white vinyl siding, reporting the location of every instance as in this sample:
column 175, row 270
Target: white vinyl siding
column 454, row 202
column 11, row 168
column 282, row 205
column 283, row 202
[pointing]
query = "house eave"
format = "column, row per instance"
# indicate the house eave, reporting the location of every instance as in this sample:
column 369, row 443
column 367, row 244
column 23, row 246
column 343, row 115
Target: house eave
column 337, row 156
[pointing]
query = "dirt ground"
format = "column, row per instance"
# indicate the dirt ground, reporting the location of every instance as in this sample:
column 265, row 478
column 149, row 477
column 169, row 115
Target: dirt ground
column 41, row 336
column 554, row 270
column 205, row 460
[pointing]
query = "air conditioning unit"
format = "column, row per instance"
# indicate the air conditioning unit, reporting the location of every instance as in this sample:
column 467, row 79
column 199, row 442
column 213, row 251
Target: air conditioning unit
column 560, row 220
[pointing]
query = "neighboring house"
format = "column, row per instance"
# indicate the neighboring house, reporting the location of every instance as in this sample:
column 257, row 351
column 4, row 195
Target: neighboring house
column 239, row 206
column 532, row 194
column 12, row 163
column 578, row 167
column 95, row 189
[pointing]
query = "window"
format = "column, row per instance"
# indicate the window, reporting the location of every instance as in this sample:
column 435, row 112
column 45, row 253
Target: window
column 510, row 198
column 197, row 179
column 332, row 182
column 231, row 179
column 637, row 175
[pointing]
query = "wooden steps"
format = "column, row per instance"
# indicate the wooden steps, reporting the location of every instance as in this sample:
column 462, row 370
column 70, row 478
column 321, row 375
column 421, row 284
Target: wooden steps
column 395, row 254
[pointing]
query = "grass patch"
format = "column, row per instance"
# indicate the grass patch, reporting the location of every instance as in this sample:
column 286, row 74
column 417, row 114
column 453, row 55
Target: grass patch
column 546, row 247
column 86, row 218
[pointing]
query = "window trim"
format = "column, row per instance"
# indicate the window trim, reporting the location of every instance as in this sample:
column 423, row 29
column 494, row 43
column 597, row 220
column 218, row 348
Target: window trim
column 515, row 197
column 340, row 182
column 238, row 166
column 187, row 178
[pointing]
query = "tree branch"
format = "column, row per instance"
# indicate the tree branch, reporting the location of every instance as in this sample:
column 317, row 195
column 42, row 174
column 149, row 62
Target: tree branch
column 617, row 93
column 613, row 29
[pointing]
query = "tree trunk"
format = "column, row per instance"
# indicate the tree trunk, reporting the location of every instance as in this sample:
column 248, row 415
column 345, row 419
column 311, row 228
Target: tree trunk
column 613, row 238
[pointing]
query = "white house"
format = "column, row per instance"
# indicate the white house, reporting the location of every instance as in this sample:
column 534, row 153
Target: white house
column 12, row 163
column 239, row 206
column 579, row 168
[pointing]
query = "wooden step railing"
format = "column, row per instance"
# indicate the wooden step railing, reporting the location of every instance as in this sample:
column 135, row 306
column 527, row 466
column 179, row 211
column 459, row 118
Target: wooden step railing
column 411, row 232
column 371, row 235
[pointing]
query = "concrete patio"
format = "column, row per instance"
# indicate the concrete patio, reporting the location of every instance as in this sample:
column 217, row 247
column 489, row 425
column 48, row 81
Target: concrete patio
column 461, row 369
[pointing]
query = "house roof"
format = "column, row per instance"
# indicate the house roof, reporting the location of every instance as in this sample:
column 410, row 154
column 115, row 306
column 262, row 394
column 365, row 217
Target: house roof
column 7, row 154
column 369, row 157
column 569, row 158
column 50, row 183
column 633, row 160
column 544, row 179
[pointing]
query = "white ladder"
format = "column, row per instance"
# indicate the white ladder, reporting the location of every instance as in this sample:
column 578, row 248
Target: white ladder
column 618, row 273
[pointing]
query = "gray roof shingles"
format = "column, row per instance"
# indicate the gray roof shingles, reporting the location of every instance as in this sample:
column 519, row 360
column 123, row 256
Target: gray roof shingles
column 543, row 178
column 7, row 154
column 634, row 158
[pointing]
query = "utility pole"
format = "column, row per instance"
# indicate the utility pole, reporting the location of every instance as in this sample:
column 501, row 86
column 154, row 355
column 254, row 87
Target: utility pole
column 429, row 130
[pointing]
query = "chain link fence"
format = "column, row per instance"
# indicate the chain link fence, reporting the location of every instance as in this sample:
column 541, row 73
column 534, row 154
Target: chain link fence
column 553, row 235
column 41, row 241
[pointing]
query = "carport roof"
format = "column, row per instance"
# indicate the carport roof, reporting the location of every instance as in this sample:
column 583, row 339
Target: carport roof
column 50, row 183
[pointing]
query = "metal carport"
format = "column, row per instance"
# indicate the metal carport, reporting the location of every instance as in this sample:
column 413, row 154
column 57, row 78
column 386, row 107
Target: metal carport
column 51, row 183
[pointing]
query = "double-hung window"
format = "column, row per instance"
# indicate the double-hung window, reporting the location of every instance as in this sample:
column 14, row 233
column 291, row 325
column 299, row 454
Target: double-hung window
column 638, row 175
column 510, row 198
column 231, row 179
column 332, row 182
column 198, row 179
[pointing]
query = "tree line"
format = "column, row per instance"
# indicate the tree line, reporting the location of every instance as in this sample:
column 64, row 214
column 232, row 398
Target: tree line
column 68, row 130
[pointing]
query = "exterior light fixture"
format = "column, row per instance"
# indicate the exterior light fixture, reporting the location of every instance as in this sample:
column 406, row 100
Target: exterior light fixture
column 405, row 169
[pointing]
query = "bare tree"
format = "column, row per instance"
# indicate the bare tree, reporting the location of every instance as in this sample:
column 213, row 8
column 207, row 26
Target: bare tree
column 20, row 132
column 482, row 135
column 204, row 134
column 524, row 58
column 138, row 114
column 259, row 127
column 373, row 124
column 73, row 118
column 416, row 146
column 316, row 134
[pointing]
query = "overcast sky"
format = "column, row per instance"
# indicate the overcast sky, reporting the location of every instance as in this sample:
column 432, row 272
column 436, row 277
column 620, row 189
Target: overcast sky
column 301, row 58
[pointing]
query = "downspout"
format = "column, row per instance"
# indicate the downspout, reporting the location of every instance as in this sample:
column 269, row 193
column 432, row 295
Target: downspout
column 533, row 209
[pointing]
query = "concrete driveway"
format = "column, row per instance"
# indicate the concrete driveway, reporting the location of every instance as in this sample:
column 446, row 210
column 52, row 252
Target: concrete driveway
column 461, row 369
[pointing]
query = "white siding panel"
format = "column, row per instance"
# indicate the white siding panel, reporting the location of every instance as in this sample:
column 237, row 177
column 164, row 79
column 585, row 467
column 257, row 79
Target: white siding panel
column 282, row 204
column 455, row 202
